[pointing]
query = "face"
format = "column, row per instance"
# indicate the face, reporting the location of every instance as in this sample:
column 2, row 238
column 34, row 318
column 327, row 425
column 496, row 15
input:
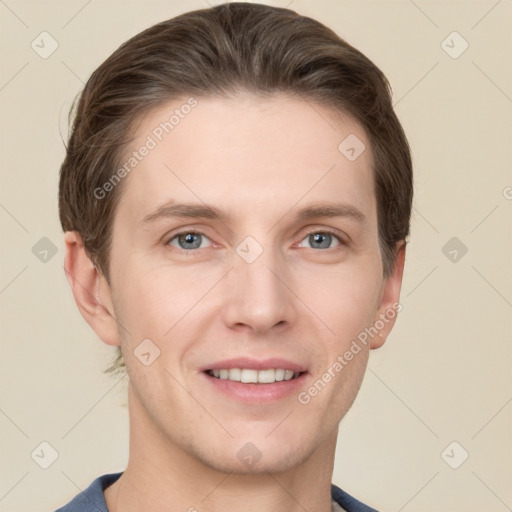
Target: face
column 254, row 277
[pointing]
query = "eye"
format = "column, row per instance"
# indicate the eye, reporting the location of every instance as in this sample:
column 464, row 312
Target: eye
column 323, row 239
column 188, row 240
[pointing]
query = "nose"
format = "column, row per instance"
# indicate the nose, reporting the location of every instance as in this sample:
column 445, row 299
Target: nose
column 258, row 296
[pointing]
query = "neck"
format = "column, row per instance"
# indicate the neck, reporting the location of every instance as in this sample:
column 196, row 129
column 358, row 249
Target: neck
column 164, row 473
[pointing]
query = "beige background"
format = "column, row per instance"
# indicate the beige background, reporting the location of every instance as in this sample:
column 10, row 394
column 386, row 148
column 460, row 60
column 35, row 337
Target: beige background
column 445, row 373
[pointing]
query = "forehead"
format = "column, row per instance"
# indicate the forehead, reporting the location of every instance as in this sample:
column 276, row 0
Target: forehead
column 247, row 154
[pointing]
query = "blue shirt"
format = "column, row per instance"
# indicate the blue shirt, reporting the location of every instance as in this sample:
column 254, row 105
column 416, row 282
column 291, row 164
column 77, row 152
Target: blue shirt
column 93, row 500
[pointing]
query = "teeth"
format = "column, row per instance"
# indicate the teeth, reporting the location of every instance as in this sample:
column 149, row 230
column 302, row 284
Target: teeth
column 254, row 376
column 234, row 374
column 249, row 376
column 280, row 374
column 266, row 376
column 288, row 374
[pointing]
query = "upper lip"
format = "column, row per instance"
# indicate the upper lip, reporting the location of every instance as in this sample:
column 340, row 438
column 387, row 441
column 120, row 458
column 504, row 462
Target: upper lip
column 255, row 364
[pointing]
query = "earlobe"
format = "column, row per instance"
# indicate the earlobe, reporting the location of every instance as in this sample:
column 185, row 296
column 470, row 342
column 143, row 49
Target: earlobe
column 90, row 290
column 390, row 301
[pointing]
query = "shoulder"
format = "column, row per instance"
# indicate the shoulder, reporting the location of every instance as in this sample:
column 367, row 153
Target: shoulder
column 91, row 498
column 347, row 502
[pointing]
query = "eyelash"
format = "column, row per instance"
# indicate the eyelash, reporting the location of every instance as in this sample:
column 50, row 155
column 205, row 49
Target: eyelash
column 315, row 231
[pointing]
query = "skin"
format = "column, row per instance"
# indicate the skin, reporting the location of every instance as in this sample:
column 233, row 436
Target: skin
column 260, row 160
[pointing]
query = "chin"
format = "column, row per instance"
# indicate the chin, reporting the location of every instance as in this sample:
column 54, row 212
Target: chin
column 243, row 457
column 263, row 466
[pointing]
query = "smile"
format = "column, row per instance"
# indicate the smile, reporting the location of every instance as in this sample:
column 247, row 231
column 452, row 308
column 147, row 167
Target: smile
column 247, row 376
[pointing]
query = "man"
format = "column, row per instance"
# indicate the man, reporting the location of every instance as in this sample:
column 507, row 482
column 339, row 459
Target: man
column 236, row 197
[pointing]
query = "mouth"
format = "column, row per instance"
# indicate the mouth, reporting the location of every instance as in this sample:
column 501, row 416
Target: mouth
column 255, row 381
column 250, row 386
column 251, row 376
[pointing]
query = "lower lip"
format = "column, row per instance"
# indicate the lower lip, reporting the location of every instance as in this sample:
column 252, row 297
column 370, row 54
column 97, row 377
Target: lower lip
column 257, row 393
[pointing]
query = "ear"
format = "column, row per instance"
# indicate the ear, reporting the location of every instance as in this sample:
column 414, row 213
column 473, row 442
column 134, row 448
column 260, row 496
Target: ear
column 390, row 299
column 90, row 289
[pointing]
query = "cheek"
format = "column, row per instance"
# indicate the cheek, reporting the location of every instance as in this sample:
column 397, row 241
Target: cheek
column 152, row 308
column 150, row 292
column 162, row 304
column 348, row 307
column 143, row 307
column 346, row 300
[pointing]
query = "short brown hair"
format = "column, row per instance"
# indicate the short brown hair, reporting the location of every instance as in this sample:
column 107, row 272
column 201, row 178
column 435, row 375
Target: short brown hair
column 217, row 52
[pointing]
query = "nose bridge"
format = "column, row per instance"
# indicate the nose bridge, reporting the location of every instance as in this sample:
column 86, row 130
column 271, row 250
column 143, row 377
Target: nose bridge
column 257, row 295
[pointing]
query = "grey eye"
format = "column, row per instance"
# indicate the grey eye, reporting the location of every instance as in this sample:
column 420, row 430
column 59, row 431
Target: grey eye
column 321, row 240
column 188, row 240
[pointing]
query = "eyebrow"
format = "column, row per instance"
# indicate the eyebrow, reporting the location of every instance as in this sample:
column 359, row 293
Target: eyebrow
column 204, row 211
